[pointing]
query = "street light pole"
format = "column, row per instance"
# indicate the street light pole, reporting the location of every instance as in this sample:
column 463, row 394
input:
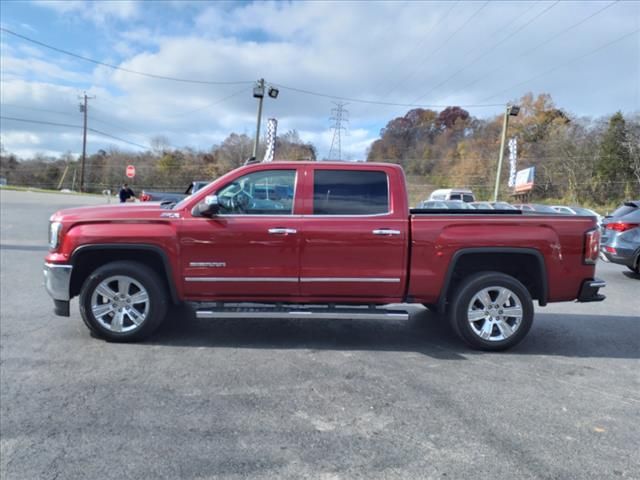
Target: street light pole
column 510, row 110
column 258, row 92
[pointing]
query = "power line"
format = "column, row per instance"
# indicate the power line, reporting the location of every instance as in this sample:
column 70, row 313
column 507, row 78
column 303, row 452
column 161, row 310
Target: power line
column 545, row 42
column 122, row 69
column 216, row 102
column 41, row 122
column 492, row 47
column 24, row 107
column 57, row 112
column 104, row 134
column 113, row 125
column 422, row 43
column 206, row 82
column 57, row 124
column 566, row 63
column 377, row 102
column 442, row 45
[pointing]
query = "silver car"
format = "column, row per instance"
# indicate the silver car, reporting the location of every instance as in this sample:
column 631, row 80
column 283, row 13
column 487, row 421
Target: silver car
column 446, row 204
column 580, row 211
column 621, row 236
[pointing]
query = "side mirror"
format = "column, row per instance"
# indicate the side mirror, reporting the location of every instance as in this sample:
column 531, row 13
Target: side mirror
column 208, row 208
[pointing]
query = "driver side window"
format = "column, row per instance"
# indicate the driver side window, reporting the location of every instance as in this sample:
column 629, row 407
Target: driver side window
column 268, row 192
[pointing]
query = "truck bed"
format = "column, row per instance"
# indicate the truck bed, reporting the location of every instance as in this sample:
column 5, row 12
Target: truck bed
column 439, row 238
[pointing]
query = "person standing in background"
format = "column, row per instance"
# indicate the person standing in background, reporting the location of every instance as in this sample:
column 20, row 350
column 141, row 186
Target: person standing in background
column 126, row 193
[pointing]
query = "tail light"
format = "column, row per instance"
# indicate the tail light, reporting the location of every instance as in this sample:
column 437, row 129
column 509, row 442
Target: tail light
column 145, row 197
column 621, row 226
column 591, row 246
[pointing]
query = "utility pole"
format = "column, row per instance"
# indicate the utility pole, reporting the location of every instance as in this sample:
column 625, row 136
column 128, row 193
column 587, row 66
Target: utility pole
column 511, row 110
column 83, row 109
column 258, row 92
column 339, row 115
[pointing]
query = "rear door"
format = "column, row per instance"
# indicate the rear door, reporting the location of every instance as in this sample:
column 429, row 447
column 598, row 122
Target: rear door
column 355, row 239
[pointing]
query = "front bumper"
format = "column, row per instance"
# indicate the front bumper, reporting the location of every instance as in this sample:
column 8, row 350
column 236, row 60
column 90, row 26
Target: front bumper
column 57, row 280
column 589, row 291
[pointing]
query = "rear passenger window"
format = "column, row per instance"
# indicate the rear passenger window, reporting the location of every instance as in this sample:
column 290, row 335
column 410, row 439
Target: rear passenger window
column 455, row 196
column 350, row 192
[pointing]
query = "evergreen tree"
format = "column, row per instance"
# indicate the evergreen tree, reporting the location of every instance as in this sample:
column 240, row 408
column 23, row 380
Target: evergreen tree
column 613, row 169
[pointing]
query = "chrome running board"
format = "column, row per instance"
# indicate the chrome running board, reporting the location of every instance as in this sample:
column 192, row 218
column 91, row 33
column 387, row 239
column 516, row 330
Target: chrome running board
column 327, row 312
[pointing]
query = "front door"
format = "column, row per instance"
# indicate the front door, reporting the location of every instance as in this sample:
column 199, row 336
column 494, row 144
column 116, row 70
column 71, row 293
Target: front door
column 251, row 248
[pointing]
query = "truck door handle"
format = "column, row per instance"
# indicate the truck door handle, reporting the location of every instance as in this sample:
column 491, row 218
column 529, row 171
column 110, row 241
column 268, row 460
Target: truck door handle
column 282, row 231
column 386, row 231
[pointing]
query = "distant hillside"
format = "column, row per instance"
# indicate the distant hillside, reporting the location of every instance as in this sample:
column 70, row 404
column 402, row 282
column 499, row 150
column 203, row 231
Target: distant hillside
column 578, row 160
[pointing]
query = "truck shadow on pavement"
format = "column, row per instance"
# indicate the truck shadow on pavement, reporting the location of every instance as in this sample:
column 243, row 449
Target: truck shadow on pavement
column 425, row 332
column 633, row 275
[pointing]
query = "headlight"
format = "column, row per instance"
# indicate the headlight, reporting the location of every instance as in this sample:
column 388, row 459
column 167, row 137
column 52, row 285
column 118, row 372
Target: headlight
column 54, row 234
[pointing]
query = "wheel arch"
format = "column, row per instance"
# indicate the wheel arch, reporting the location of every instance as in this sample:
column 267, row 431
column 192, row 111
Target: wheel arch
column 86, row 258
column 507, row 260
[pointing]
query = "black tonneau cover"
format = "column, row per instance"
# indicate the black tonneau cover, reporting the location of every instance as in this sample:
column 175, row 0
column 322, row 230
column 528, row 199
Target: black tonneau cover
column 465, row 211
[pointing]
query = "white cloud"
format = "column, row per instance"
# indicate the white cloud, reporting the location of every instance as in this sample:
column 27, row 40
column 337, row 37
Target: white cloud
column 23, row 138
column 381, row 50
column 21, row 67
column 96, row 11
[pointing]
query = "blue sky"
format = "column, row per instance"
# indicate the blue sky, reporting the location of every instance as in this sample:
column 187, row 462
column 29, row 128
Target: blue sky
column 585, row 54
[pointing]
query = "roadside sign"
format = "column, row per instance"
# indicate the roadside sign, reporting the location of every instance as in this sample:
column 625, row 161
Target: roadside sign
column 525, row 180
column 131, row 171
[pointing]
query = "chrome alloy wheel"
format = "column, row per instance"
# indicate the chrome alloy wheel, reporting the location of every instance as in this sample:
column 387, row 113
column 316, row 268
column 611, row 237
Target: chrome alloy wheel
column 495, row 313
column 120, row 304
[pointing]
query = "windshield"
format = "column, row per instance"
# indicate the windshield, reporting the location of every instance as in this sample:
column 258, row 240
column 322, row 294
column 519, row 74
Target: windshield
column 584, row 212
column 459, row 204
column 544, row 209
column 482, row 206
column 623, row 210
column 503, row 206
column 432, row 204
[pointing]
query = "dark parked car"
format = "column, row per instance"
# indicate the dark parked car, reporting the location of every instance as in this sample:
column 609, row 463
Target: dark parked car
column 535, row 207
column 172, row 197
column 621, row 236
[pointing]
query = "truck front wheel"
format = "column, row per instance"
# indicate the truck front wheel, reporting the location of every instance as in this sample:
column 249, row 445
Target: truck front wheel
column 491, row 311
column 123, row 301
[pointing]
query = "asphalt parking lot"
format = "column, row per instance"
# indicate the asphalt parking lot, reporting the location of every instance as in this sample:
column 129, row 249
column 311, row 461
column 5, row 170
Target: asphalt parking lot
column 308, row 399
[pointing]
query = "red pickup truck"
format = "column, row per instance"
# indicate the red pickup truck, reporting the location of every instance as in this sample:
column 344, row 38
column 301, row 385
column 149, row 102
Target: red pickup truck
column 304, row 239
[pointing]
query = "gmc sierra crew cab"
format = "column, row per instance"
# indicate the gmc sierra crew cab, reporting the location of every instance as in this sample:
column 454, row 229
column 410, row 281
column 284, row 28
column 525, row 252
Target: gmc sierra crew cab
column 323, row 239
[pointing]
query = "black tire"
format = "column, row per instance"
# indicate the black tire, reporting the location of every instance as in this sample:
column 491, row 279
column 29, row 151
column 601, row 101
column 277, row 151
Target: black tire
column 144, row 276
column 460, row 304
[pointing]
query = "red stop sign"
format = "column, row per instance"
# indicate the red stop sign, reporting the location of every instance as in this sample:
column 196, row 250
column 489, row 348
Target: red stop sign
column 131, row 171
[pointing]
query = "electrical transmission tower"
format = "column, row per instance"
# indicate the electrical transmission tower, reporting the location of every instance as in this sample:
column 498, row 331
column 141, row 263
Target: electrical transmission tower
column 339, row 117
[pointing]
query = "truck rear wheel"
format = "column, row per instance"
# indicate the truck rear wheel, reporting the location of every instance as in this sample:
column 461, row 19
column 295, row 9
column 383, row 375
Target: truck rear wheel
column 123, row 301
column 491, row 311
